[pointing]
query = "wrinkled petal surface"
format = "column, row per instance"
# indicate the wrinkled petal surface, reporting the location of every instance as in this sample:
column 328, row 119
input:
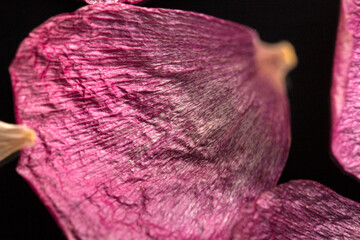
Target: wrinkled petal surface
column 300, row 209
column 151, row 123
column 346, row 90
column 112, row 1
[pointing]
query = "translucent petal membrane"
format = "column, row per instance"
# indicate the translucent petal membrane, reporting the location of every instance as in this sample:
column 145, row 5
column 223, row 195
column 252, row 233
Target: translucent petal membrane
column 299, row 209
column 151, row 123
column 346, row 90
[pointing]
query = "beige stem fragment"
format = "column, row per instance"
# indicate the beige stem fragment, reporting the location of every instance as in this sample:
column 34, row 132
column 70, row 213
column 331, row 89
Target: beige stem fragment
column 274, row 61
column 14, row 137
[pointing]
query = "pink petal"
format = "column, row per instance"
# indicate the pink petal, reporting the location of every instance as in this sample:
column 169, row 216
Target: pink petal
column 346, row 90
column 113, row 1
column 299, row 209
column 150, row 122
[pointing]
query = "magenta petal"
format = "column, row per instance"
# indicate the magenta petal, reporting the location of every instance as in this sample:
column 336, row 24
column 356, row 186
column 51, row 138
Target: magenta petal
column 113, row 1
column 346, row 90
column 300, row 209
column 151, row 123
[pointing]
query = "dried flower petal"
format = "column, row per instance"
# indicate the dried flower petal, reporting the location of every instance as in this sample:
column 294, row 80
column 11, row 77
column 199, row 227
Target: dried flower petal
column 151, row 122
column 346, row 90
column 112, row 1
column 299, row 209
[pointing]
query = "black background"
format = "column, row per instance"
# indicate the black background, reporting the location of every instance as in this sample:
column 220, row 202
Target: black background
column 309, row 24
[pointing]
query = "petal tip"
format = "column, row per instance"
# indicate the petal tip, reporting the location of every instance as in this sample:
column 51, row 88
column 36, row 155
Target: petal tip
column 275, row 61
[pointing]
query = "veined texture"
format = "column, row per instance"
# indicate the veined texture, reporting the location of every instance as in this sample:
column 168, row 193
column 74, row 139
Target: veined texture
column 345, row 90
column 151, row 123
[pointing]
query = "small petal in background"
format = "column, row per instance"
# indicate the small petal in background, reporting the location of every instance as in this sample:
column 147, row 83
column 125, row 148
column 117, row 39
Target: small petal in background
column 345, row 141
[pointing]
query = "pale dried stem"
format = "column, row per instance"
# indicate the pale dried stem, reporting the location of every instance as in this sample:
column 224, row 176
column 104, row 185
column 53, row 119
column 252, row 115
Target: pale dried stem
column 14, row 137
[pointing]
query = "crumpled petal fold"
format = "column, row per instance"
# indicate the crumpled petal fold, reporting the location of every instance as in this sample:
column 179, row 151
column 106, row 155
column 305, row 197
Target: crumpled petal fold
column 345, row 90
column 150, row 123
column 300, row 209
